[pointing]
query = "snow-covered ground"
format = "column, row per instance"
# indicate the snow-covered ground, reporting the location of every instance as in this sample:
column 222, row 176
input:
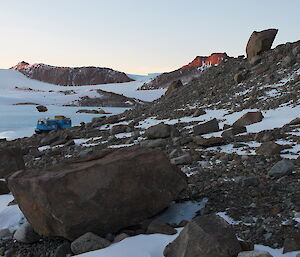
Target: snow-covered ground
column 20, row 120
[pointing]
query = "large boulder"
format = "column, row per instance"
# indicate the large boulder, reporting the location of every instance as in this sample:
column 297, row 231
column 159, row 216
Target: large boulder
column 281, row 168
column 205, row 236
column 102, row 194
column 260, row 42
column 269, row 149
column 11, row 160
column 207, row 127
column 248, row 119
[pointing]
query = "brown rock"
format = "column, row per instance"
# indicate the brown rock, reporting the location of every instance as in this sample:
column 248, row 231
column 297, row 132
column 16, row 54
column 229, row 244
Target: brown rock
column 246, row 246
column 208, row 142
column 102, row 194
column 248, row 119
column 292, row 243
column 173, row 86
column 295, row 121
column 120, row 237
column 260, row 42
column 158, row 131
column 205, row 236
column 161, row 228
column 269, row 149
column 239, row 77
column 41, row 108
column 207, row 127
column 199, row 112
column 11, row 160
column 3, row 188
column 235, row 130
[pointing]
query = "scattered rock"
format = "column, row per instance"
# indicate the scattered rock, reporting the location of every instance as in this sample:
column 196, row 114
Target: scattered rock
column 208, row 142
column 5, row 234
column 239, row 77
column 235, row 130
column 3, row 188
column 269, row 149
column 281, row 168
column 63, row 250
column 292, row 243
column 295, row 121
column 158, row 131
column 199, row 112
column 25, row 234
column 248, row 119
column 207, row 127
column 120, row 237
column 118, row 129
column 88, row 242
column 161, row 228
column 254, row 254
column 154, row 143
column 86, row 189
column 181, row 160
column 205, row 236
column 11, row 160
column 41, row 108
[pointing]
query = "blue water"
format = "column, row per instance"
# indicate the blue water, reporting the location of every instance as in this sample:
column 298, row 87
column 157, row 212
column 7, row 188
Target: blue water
column 20, row 121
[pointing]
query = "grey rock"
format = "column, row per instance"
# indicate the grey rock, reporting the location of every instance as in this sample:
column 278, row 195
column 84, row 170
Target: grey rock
column 153, row 143
column 181, row 160
column 25, row 234
column 120, row 237
column 157, row 226
column 88, row 242
column 5, row 234
column 205, row 236
column 281, row 168
column 207, row 127
column 63, row 250
column 158, row 131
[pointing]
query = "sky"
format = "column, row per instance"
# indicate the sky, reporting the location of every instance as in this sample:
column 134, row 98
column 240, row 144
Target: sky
column 136, row 36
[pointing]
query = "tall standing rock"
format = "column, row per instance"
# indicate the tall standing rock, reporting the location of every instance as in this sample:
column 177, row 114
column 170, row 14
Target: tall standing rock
column 260, row 42
column 11, row 160
column 101, row 194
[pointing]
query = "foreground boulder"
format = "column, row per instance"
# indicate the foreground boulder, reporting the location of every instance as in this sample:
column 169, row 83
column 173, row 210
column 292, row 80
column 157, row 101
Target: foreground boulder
column 11, row 160
column 248, row 119
column 205, row 236
column 260, row 42
column 102, row 194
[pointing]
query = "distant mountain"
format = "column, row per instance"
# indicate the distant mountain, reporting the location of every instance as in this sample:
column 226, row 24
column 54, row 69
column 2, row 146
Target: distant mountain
column 67, row 76
column 187, row 72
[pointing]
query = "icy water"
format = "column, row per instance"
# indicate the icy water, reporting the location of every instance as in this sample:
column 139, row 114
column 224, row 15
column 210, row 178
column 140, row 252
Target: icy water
column 20, row 121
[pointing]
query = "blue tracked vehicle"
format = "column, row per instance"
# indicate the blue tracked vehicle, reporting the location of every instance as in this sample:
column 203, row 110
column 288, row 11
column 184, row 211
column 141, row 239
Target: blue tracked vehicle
column 47, row 124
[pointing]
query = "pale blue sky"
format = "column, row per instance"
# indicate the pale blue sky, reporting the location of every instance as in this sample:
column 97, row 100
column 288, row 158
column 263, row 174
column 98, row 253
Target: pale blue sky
column 136, row 36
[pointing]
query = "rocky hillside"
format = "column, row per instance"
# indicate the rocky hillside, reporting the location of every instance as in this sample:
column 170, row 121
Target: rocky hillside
column 229, row 137
column 66, row 76
column 187, row 72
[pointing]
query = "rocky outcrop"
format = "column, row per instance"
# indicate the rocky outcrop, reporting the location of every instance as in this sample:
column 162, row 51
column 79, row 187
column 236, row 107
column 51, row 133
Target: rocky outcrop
column 186, row 73
column 205, row 236
column 101, row 194
column 108, row 99
column 67, row 76
column 260, row 42
column 213, row 59
column 11, row 160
